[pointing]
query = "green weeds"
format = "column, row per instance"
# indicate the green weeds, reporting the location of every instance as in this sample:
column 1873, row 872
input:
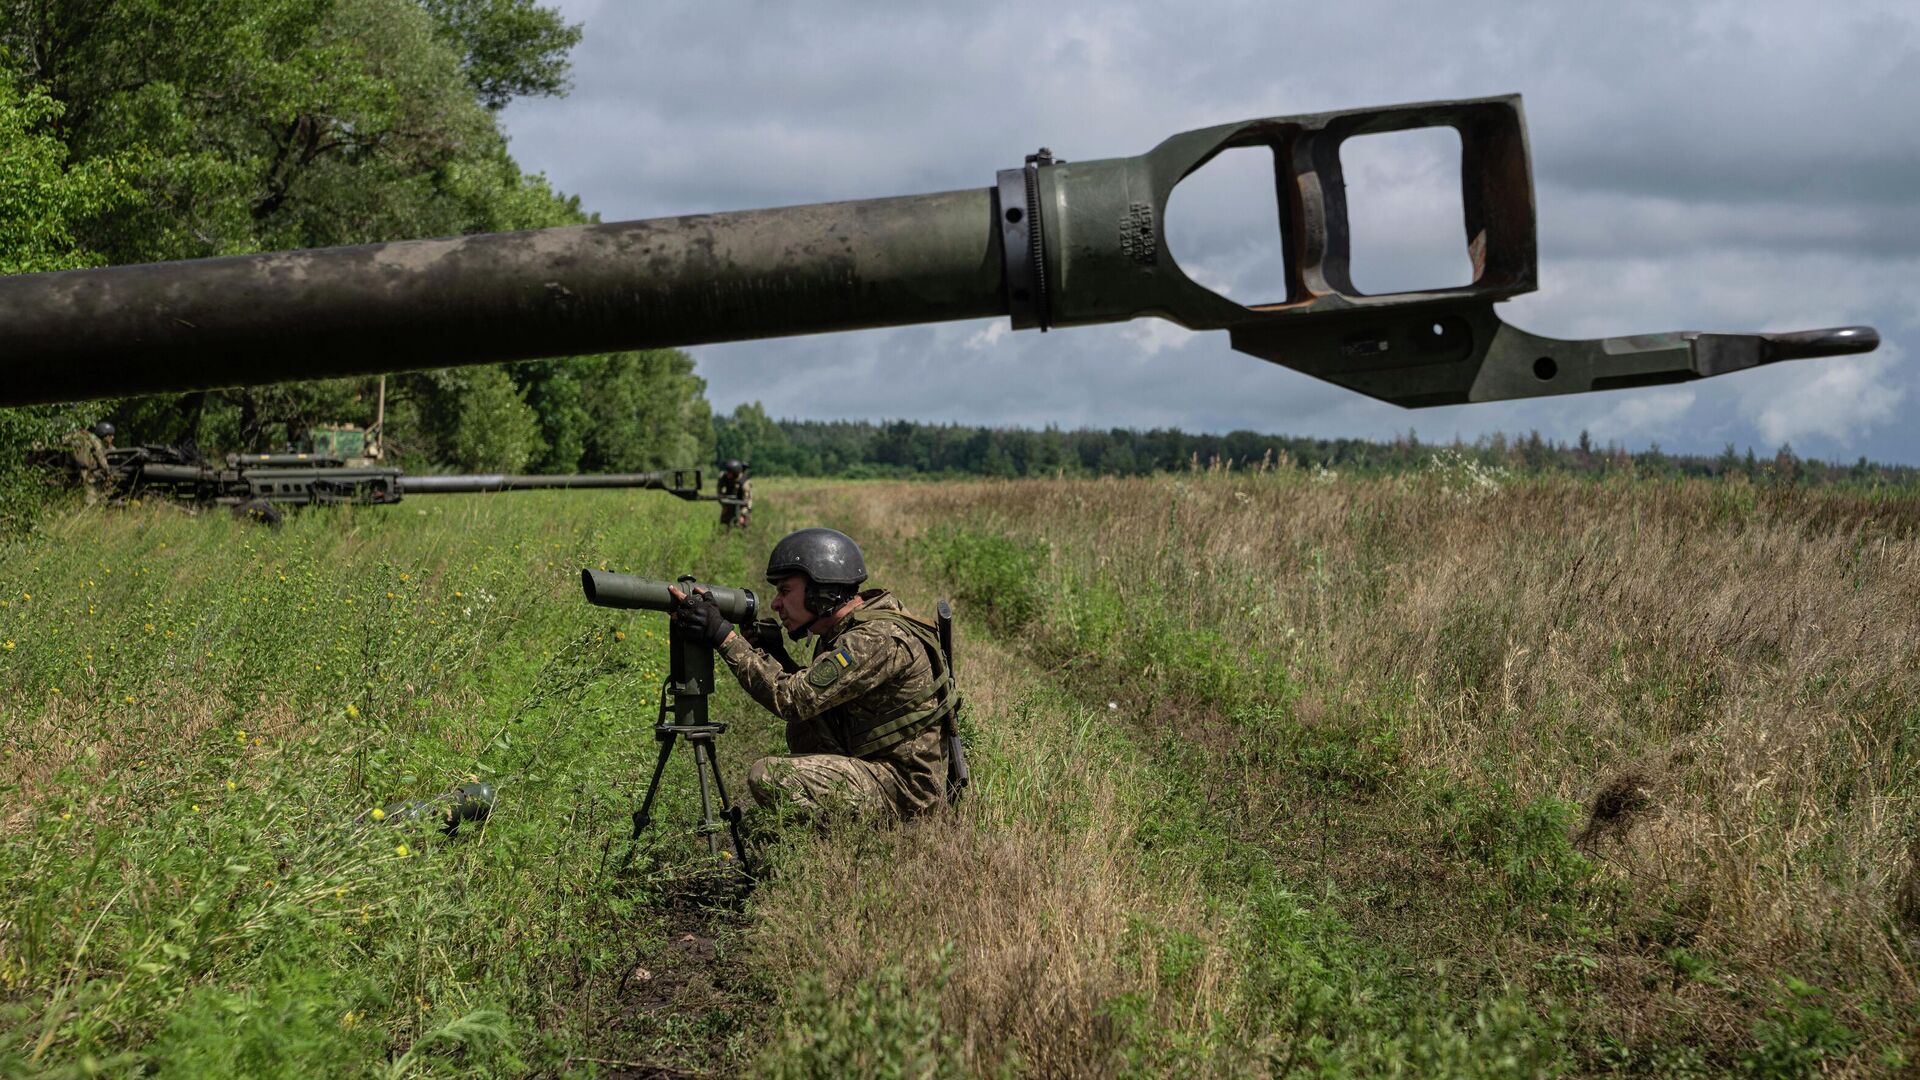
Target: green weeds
column 196, row 719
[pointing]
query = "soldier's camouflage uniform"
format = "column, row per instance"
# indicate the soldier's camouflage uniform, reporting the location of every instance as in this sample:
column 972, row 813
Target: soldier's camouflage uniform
column 735, row 488
column 90, row 463
column 868, row 673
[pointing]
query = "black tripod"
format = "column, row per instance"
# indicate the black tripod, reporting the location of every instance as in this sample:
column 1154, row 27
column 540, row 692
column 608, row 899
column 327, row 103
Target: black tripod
column 689, row 684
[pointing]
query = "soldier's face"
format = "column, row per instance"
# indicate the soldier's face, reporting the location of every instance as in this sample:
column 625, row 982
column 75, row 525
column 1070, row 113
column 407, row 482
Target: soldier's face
column 790, row 602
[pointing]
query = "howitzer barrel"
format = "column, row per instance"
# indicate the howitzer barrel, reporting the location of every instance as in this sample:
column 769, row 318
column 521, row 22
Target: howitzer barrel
column 1050, row 244
column 496, row 297
column 626, row 591
column 435, row 485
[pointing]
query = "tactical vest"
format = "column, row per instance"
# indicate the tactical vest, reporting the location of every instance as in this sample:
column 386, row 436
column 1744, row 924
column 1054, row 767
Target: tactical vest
column 883, row 733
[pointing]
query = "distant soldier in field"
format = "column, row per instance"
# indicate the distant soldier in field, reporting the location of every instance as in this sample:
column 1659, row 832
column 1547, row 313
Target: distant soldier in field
column 864, row 717
column 89, row 451
column 736, row 495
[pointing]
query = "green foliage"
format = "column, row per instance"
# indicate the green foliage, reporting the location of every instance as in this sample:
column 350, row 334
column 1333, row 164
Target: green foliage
column 1524, row 849
column 897, row 448
column 44, row 202
column 469, row 419
column 1799, row 1037
column 749, row 435
column 151, row 130
column 1000, row 575
column 197, row 710
column 510, row 48
column 886, row 1026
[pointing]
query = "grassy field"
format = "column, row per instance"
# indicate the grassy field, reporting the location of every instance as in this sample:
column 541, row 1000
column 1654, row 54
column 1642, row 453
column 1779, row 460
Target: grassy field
column 1276, row 774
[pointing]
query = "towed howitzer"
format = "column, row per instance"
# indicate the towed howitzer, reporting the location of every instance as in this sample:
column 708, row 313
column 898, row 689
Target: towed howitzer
column 291, row 479
column 1049, row 244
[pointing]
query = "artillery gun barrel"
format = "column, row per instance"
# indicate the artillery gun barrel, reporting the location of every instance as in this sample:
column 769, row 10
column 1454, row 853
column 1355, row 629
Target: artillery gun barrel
column 438, row 485
column 497, row 297
column 1051, row 243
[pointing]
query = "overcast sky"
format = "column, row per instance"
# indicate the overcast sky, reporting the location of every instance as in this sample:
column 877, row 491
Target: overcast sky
column 1715, row 166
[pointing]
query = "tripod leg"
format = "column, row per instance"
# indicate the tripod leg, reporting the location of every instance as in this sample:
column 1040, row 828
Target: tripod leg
column 729, row 811
column 643, row 816
column 703, row 758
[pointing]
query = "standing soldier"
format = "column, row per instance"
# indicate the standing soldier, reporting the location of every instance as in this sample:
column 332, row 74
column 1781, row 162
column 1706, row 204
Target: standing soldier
column 864, row 718
column 89, row 450
column 736, row 495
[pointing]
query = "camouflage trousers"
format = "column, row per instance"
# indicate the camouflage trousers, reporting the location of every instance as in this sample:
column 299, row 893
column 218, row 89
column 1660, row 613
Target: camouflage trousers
column 817, row 784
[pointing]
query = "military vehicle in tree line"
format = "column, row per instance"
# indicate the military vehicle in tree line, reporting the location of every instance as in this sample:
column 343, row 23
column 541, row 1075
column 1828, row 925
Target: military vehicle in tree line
column 1048, row 244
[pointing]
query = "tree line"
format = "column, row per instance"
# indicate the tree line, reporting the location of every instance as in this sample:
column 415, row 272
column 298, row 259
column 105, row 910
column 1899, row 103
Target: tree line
column 147, row 130
column 862, row 448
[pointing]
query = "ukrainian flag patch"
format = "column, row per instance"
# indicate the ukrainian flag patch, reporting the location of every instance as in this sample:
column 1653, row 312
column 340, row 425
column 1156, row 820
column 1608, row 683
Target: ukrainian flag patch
column 827, row 669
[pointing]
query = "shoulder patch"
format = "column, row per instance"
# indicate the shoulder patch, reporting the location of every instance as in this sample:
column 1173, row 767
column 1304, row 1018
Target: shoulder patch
column 828, row 669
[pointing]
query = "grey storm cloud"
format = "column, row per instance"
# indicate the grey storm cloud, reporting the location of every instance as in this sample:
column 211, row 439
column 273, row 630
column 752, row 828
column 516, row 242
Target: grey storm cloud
column 1728, row 166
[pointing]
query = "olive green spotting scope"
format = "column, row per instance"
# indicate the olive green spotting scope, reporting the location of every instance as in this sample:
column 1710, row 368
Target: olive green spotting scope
column 1050, row 243
column 683, row 697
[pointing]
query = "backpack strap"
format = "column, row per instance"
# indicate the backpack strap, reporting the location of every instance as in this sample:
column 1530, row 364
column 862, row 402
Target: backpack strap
column 886, row 732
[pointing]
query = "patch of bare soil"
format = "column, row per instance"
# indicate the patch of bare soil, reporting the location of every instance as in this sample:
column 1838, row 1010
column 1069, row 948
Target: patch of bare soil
column 686, row 992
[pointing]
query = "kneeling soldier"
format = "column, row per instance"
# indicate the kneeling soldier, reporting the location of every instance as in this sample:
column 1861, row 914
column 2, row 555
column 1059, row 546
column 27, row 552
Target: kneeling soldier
column 863, row 719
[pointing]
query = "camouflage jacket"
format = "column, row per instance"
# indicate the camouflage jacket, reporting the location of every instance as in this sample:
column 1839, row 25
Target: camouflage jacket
column 861, row 672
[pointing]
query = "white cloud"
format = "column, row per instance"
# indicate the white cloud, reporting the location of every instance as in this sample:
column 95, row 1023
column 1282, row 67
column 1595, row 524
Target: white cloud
column 1155, row 336
column 1842, row 402
column 1647, row 414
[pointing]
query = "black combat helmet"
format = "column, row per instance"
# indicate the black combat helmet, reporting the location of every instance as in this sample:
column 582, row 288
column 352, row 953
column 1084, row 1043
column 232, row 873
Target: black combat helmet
column 736, row 467
column 102, row 430
column 830, row 560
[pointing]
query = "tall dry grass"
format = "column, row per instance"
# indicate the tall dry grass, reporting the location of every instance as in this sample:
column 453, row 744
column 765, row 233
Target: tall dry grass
column 1726, row 677
column 1020, row 914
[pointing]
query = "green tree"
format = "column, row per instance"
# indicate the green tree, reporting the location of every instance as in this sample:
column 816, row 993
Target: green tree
column 509, row 48
column 245, row 125
column 750, row 436
column 45, row 201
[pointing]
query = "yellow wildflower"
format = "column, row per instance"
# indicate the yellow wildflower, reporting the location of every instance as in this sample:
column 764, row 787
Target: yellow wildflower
column 240, row 736
column 231, row 785
column 196, row 808
column 9, row 644
column 401, row 850
column 129, row 699
column 353, row 712
column 406, row 577
column 389, row 596
column 618, row 635
column 66, row 815
column 149, row 628
column 457, row 594
column 379, row 814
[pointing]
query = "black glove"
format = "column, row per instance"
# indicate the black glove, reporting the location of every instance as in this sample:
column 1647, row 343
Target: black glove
column 700, row 616
column 769, row 637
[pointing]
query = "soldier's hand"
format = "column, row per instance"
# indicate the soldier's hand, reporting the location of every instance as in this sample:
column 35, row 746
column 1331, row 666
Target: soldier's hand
column 697, row 614
column 769, row 637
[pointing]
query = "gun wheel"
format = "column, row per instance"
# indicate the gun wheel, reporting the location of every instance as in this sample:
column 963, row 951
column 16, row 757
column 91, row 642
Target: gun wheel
column 260, row 511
